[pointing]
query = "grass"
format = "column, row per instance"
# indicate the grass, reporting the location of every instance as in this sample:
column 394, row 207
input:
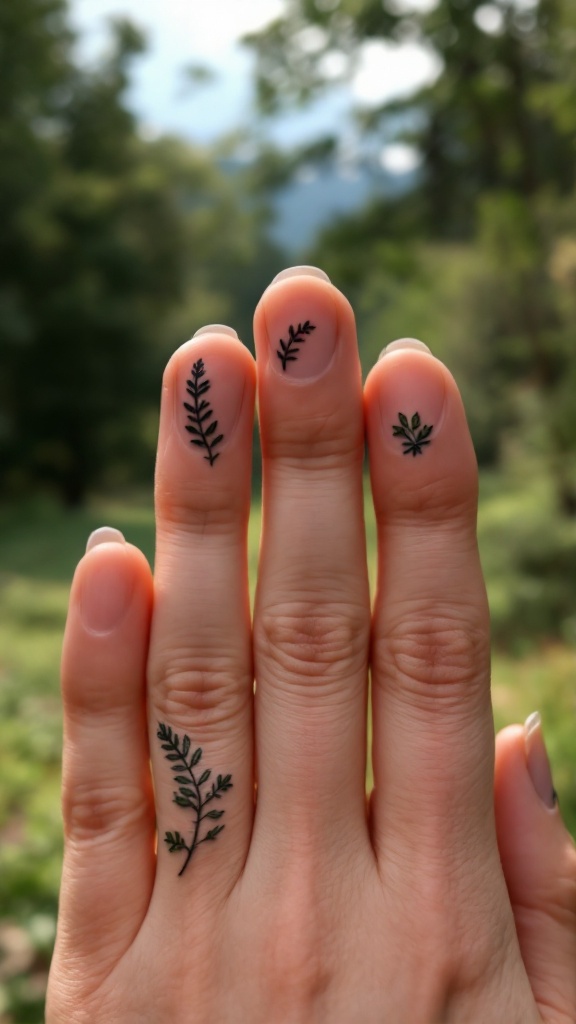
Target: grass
column 39, row 548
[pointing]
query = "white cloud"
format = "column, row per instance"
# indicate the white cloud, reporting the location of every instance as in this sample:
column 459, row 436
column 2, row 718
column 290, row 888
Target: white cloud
column 399, row 158
column 389, row 70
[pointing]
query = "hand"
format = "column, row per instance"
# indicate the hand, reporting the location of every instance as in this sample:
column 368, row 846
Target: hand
column 442, row 899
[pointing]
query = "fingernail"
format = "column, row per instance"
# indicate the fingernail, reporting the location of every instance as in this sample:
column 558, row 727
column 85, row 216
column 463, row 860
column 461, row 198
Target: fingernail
column 301, row 271
column 402, row 344
column 106, row 587
column 209, row 398
column 412, row 394
column 104, row 535
column 302, row 327
column 216, row 329
column 537, row 760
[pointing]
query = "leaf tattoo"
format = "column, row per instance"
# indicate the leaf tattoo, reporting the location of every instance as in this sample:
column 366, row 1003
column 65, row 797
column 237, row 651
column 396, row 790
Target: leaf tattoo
column 289, row 350
column 200, row 412
column 189, row 795
column 416, row 435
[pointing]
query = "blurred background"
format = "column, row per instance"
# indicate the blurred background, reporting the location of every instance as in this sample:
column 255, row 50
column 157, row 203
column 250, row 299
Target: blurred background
column 160, row 161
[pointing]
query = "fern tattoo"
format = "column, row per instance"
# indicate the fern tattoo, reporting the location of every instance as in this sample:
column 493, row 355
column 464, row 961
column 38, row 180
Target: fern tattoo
column 289, row 350
column 416, row 435
column 200, row 412
column 189, row 794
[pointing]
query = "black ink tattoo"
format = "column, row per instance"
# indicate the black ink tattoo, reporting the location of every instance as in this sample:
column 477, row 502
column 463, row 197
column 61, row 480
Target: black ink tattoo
column 415, row 434
column 189, row 795
column 200, row 412
column 288, row 351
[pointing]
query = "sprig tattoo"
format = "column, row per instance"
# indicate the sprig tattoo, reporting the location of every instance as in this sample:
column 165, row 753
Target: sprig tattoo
column 200, row 412
column 289, row 351
column 415, row 434
column 189, row 793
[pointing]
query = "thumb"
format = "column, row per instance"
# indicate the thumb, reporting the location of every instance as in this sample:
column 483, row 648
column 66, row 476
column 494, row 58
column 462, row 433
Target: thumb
column 539, row 862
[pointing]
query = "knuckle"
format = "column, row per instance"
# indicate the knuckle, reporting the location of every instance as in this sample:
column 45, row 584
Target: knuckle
column 435, row 656
column 209, row 689
column 92, row 810
column 315, row 642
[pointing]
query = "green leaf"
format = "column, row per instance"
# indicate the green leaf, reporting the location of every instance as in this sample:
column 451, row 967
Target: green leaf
column 186, row 745
column 173, row 757
column 211, row 428
column 182, row 801
column 214, row 832
column 426, row 431
column 415, row 421
column 196, row 756
column 404, row 420
column 204, row 777
column 182, row 779
column 216, row 440
column 214, row 814
column 188, row 792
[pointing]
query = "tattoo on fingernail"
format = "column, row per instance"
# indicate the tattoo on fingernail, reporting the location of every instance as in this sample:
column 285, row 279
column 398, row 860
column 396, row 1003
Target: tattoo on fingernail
column 200, row 412
column 189, row 795
column 416, row 435
column 289, row 350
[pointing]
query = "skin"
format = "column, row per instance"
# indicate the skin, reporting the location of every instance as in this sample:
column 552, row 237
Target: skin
column 449, row 896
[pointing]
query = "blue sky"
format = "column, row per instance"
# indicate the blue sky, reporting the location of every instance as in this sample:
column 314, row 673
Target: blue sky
column 181, row 32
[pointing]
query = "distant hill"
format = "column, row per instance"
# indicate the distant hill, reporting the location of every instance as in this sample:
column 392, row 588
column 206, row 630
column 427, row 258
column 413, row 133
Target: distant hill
column 317, row 197
column 307, row 205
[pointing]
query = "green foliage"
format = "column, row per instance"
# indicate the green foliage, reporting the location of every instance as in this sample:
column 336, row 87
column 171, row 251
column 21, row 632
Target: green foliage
column 112, row 249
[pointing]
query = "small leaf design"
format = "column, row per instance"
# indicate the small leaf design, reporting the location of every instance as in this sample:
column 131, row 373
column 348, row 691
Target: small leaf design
column 414, row 442
column 189, row 796
column 289, row 351
column 201, row 411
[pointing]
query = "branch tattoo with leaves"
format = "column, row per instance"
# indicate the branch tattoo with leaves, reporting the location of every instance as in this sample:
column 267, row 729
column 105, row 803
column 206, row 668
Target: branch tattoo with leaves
column 289, row 350
column 416, row 436
column 200, row 412
column 189, row 794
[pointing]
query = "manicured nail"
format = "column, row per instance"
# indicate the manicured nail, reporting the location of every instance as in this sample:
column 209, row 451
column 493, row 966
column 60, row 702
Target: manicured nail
column 537, row 760
column 209, row 399
column 104, row 535
column 302, row 326
column 402, row 344
column 302, row 271
column 106, row 587
column 216, row 329
column 412, row 393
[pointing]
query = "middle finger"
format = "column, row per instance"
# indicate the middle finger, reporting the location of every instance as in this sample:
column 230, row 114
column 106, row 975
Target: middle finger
column 311, row 623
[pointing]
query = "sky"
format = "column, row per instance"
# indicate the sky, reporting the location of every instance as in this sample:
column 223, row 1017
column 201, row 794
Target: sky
column 182, row 32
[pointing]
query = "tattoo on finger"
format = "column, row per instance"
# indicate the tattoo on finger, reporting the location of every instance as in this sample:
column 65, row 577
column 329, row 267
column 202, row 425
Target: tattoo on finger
column 289, row 350
column 200, row 412
column 416, row 435
column 190, row 795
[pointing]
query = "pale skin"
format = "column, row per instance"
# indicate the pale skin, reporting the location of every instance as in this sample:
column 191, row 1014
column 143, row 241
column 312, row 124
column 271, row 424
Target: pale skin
column 449, row 895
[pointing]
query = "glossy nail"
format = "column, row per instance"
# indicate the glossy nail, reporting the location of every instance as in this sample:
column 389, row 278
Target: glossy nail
column 537, row 760
column 411, row 398
column 402, row 345
column 300, row 271
column 106, row 584
column 216, row 329
column 104, row 535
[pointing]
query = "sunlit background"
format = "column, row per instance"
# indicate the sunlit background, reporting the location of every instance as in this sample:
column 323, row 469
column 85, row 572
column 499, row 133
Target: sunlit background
column 160, row 161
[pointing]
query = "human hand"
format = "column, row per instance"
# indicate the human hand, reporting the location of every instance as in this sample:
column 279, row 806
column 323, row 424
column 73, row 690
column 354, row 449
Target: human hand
column 443, row 898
